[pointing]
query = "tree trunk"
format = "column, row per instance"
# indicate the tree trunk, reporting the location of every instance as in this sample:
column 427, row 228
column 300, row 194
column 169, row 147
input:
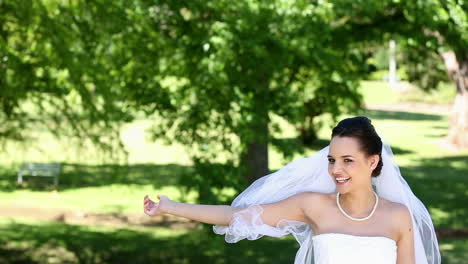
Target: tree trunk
column 307, row 130
column 457, row 68
column 255, row 157
column 256, row 160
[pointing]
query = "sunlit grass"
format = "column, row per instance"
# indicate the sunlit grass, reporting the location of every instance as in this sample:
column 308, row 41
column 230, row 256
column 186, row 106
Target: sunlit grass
column 114, row 198
column 379, row 92
column 444, row 94
column 373, row 91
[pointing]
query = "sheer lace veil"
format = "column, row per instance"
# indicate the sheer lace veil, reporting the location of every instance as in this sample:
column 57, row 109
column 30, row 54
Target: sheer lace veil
column 311, row 175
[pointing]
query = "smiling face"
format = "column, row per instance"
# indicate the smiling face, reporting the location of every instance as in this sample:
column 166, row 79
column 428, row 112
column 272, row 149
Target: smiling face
column 348, row 165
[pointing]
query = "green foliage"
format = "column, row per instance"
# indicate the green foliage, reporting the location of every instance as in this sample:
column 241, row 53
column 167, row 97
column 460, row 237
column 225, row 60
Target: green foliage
column 228, row 67
column 214, row 182
column 424, row 29
column 423, row 66
column 54, row 72
column 225, row 69
column 433, row 27
column 381, row 58
column 211, row 74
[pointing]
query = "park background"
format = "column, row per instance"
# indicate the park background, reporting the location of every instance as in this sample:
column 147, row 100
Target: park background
column 197, row 99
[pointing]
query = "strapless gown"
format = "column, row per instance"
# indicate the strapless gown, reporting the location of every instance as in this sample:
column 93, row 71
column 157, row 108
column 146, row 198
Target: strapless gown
column 334, row 248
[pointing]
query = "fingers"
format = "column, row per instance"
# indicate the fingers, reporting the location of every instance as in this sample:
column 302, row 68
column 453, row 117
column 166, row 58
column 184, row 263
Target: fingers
column 146, row 198
column 149, row 206
column 151, row 210
column 147, row 203
column 147, row 209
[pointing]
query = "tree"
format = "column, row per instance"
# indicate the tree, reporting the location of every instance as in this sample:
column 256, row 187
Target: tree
column 442, row 28
column 212, row 73
column 228, row 67
column 429, row 31
column 54, row 73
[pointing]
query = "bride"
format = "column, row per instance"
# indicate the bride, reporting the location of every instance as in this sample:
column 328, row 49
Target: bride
column 348, row 203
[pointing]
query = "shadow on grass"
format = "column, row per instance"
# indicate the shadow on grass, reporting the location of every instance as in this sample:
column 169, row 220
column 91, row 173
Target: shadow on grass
column 60, row 243
column 400, row 151
column 454, row 251
column 289, row 147
column 79, row 175
column 442, row 185
column 82, row 175
column 438, row 136
column 403, row 116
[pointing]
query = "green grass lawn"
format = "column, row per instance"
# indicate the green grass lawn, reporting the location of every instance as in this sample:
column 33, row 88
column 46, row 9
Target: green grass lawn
column 120, row 188
column 95, row 188
column 378, row 92
column 25, row 241
column 436, row 175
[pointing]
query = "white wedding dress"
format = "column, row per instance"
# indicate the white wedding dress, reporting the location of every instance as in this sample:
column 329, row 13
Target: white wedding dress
column 334, row 248
column 329, row 248
column 311, row 175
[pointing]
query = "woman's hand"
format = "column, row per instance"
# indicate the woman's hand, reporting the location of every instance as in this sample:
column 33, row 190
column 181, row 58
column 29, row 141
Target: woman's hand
column 152, row 208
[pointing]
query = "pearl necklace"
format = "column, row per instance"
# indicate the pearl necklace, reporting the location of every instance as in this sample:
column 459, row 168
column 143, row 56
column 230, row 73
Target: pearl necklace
column 353, row 218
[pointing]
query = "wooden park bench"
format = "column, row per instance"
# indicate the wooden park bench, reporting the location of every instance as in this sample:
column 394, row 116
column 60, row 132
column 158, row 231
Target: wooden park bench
column 39, row 169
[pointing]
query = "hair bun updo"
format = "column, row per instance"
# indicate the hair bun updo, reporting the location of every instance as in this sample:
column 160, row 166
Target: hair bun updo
column 361, row 128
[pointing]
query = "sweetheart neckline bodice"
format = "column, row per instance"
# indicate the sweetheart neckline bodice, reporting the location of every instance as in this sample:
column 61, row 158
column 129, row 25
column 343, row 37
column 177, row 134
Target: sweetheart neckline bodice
column 339, row 248
column 355, row 236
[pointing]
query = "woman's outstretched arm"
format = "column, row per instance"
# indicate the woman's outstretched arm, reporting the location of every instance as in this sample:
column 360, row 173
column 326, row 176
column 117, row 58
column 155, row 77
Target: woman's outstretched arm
column 292, row 208
column 209, row 214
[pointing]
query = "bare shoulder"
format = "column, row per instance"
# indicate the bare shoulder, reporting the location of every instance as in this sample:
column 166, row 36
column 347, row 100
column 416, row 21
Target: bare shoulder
column 314, row 201
column 399, row 214
column 397, row 210
column 313, row 196
column 313, row 205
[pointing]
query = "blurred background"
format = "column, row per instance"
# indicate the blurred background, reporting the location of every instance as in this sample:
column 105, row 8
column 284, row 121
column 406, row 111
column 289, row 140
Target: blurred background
column 103, row 102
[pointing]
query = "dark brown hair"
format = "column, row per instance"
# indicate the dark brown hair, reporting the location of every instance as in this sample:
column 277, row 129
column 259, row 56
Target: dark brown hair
column 361, row 128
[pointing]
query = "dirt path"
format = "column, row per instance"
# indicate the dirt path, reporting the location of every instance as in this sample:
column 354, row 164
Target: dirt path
column 84, row 218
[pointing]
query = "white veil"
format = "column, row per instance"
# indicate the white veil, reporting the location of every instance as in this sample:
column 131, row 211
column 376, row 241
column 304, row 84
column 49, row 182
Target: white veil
column 311, row 175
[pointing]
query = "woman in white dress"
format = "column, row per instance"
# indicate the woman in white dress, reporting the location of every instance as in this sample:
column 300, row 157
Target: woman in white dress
column 355, row 208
